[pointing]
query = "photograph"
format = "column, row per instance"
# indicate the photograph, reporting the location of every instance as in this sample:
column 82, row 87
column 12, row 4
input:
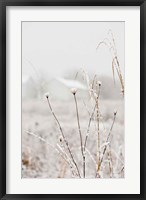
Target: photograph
column 72, row 99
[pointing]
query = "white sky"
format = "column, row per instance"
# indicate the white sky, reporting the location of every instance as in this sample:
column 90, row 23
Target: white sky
column 56, row 47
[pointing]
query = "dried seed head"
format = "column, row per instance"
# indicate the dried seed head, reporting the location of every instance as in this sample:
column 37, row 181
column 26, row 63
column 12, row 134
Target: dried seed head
column 60, row 139
column 47, row 95
column 115, row 112
column 73, row 91
column 99, row 83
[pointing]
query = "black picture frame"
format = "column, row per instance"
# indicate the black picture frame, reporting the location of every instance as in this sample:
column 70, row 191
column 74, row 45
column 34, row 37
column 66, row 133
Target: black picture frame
column 3, row 125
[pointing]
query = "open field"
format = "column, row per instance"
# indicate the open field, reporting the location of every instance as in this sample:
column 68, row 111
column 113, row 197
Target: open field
column 39, row 160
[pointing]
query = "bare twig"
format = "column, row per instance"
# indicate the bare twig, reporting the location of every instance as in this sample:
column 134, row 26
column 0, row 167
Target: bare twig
column 98, row 126
column 66, row 142
column 59, row 150
column 115, row 113
column 110, row 162
column 110, row 44
column 81, row 140
column 88, row 128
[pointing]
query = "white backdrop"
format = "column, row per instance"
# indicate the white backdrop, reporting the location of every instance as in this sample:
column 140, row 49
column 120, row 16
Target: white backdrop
column 131, row 182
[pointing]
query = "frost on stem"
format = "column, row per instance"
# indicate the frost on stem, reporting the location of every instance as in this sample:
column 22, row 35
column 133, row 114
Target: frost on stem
column 73, row 91
column 115, row 112
column 61, row 139
column 63, row 136
column 95, row 95
column 47, row 95
column 99, row 83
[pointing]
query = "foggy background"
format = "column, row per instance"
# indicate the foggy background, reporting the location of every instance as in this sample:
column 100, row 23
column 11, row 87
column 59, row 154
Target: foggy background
column 60, row 49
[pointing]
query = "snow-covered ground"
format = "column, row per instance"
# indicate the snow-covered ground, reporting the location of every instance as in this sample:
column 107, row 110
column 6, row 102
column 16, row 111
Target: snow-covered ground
column 39, row 160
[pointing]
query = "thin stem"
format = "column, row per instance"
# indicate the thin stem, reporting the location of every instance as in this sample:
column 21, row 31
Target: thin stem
column 110, row 162
column 117, row 66
column 81, row 140
column 66, row 142
column 43, row 140
column 98, row 129
column 108, row 137
column 99, row 91
column 59, row 150
column 87, row 134
column 93, row 82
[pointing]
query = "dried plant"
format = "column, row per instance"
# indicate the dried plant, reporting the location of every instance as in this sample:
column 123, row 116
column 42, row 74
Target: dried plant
column 104, row 152
column 109, row 42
